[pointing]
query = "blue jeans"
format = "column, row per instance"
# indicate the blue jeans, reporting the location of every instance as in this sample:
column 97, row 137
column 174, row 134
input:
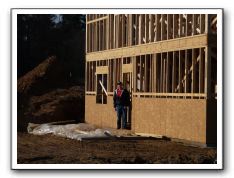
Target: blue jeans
column 121, row 113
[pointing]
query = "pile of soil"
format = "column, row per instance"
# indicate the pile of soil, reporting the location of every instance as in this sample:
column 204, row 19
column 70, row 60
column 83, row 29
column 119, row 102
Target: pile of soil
column 49, row 149
column 57, row 105
column 44, row 97
column 46, row 76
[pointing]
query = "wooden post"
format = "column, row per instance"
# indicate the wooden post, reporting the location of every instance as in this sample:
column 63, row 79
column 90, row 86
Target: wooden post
column 91, row 76
column 99, row 35
column 161, row 75
column 145, row 73
column 130, row 30
column 114, row 72
column 150, row 73
column 117, row 32
column 168, row 26
column 193, row 25
column 186, row 71
column 180, row 25
column 180, row 76
column 174, row 73
column 134, row 78
column 122, row 30
column 107, row 34
column 146, row 28
column 153, row 72
column 156, row 28
column 141, row 78
column 92, row 37
column 114, row 41
column 194, row 82
column 140, row 29
column 162, row 26
column 95, row 37
column 86, row 35
column 207, row 72
column 167, row 74
column 150, row 27
column 137, row 30
column 173, row 36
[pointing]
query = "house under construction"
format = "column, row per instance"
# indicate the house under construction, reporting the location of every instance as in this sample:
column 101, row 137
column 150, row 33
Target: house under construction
column 170, row 64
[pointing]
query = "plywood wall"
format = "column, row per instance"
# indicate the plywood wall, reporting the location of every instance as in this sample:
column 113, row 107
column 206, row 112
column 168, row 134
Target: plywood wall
column 175, row 118
column 101, row 115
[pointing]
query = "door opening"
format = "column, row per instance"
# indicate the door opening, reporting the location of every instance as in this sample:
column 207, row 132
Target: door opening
column 127, row 83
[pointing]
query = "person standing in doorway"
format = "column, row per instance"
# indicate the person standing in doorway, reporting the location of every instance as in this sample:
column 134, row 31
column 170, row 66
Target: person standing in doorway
column 121, row 100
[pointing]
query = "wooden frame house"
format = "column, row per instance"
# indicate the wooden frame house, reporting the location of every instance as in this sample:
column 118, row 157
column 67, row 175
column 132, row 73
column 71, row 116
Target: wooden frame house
column 170, row 63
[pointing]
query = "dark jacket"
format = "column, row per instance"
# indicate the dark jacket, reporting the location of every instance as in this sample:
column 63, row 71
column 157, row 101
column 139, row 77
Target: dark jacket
column 123, row 100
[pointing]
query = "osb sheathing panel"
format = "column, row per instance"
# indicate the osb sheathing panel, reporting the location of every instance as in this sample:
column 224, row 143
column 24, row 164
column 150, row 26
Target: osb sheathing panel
column 175, row 118
column 102, row 115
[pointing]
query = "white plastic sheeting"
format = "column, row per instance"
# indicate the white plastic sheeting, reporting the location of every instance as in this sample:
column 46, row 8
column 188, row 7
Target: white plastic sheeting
column 72, row 131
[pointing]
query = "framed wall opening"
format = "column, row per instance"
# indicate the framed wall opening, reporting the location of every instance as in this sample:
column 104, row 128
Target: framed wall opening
column 101, row 93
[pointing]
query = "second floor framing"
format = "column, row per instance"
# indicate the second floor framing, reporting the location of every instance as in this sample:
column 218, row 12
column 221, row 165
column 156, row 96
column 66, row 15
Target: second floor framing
column 112, row 31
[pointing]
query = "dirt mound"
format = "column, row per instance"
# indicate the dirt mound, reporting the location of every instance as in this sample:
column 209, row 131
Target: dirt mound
column 41, row 99
column 45, row 76
column 57, row 105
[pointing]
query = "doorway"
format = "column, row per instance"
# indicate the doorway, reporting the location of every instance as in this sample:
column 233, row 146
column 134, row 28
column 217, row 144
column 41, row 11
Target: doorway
column 127, row 83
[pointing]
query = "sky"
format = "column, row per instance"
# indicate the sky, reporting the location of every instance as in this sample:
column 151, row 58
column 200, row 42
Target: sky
column 58, row 18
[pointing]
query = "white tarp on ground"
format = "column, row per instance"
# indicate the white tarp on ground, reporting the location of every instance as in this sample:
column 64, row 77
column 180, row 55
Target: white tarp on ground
column 72, row 131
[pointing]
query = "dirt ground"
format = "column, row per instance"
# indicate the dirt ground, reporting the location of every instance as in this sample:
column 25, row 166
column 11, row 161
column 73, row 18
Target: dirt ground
column 50, row 149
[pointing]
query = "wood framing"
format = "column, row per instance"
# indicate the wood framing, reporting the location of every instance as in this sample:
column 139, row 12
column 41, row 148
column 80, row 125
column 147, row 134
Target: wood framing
column 102, row 70
column 158, row 47
column 169, row 62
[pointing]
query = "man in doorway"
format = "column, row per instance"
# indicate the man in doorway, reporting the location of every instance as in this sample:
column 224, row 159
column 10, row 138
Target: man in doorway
column 121, row 100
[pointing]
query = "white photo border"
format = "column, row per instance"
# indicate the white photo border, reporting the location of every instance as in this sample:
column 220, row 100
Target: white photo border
column 16, row 11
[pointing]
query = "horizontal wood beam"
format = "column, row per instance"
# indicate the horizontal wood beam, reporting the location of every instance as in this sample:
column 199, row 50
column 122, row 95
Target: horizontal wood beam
column 90, row 92
column 156, row 94
column 170, row 94
column 102, row 70
column 196, row 41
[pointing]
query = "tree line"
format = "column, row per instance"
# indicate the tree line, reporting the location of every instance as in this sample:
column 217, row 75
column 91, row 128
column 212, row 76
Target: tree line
column 42, row 35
